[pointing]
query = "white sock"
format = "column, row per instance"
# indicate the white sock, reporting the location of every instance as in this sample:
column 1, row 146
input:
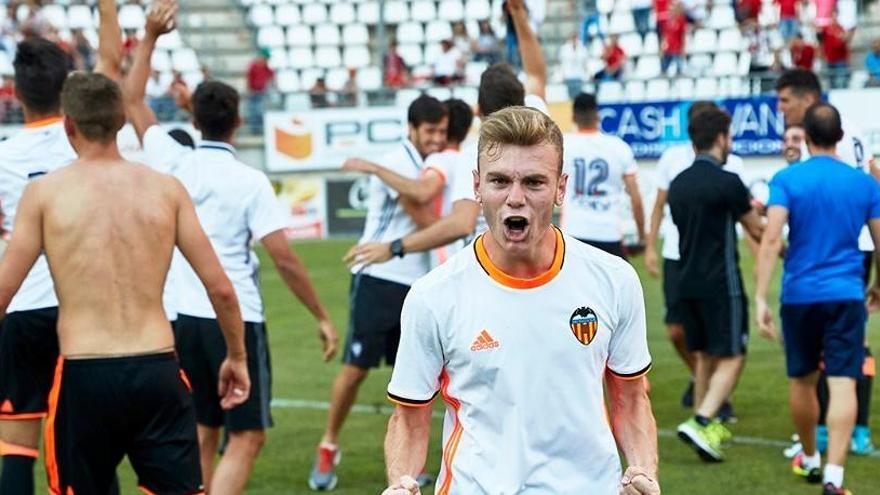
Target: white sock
column 833, row 475
column 328, row 445
column 812, row 461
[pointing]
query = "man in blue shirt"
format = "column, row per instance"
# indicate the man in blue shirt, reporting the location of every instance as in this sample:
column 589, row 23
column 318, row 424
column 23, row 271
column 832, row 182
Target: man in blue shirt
column 825, row 203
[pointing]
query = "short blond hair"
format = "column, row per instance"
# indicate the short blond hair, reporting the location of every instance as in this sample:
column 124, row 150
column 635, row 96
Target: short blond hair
column 518, row 126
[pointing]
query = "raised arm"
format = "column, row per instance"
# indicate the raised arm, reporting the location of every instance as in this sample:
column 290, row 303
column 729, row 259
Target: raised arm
column 295, row 275
column 534, row 65
column 768, row 253
column 638, row 209
column 234, row 385
column 651, row 261
column 421, row 190
column 109, row 41
column 160, row 20
column 24, row 248
column 635, row 431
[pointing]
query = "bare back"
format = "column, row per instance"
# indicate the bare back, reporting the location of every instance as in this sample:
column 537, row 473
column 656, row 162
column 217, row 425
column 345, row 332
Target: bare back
column 109, row 228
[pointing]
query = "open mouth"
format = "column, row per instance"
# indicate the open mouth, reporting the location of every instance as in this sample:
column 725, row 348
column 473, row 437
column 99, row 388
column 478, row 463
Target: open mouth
column 515, row 227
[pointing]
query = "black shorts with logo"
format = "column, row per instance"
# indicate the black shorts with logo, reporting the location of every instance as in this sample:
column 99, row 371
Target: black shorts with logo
column 374, row 321
column 671, row 294
column 28, row 355
column 102, row 409
column 201, row 348
column 718, row 326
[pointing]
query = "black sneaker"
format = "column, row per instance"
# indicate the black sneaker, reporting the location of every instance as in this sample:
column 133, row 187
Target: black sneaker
column 726, row 414
column 687, row 399
column 830, row 489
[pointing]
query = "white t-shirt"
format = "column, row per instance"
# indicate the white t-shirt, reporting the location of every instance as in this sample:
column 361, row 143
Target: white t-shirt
column 387, row 220
column 573, row 60
column 854, row 150
column 36, row 150
column 447, row 163
column 447, row 63
column 236, row 206
column 596, row 165
column 672, row 162
column 520, row 365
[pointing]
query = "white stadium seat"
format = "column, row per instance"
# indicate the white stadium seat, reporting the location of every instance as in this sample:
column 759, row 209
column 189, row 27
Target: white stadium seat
column 270, row 36
column 635, row 90
column 80, row 17
column 314, row 13
column 423, row 10
column 468, row 94
column 683, row 88
column 411, row 54
column 610, row 91
column 703, row 41
column 451, row 10
column 327, row 35
column 342, row 13
column 631, row 44
column 410, row 32
column 278, row 58
column 473, row 71
column 440, row 93
column 170, row 41
column 356, row 34
column 287, row 15
column 369, row 78
column 725, row 64
column 299, row 36
column 651, row 44
column 336, row 78
column 477, row 10
column 433, row 51
column 621, row 22
column 657, row 89
column 722, row 17
column 301, row 58
column 648, row 67
column 308, row 77
column 730, row 40
column 438, row 31
column 745, row 62
column 706, row 88
column 261, row 15
column 328, row 57
column 184, row 60
column 131, row 17
column 55, row 14
column 6, row 68
column 356, row 56
column 407, row 96
column 396, row 11
column 160, row 61
column 699, row 64
column 368, row 13
column 287, row 81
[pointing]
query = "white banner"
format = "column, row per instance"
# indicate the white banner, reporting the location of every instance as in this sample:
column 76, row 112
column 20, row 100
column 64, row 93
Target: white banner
column 858, row 107
column 323, row 139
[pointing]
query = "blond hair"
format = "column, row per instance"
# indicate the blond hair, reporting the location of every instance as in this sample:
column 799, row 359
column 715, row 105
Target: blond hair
column 518, row 126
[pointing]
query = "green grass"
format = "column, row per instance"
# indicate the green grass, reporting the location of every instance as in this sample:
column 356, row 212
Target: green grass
column 761, row 403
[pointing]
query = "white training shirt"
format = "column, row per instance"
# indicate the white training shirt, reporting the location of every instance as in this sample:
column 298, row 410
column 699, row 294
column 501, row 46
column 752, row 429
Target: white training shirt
column 387, row 220
column 41, row 147
column 236, row 206
column 520, row 365
column 672, row 162
column 854, row 150
column 596, row 164
column 447, row 163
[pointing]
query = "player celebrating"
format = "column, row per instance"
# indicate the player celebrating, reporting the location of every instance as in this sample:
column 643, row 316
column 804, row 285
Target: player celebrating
column 118, row 389
column 517, row 315
column 601, row 168
column 235, row 204
column 823, row 310
column 793, row 141
column 377, row 292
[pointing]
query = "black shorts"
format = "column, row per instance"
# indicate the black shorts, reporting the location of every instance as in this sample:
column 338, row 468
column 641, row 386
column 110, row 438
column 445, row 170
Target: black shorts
column 28, row 355
column 202, row 350
column 104, row 409
column 615, row 248
column 868, row 263
column 717, row 326
column 374, row 321
column 832, row 332
column 671, row 278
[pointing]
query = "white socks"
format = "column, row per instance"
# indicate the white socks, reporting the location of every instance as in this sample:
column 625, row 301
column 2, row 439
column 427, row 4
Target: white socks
column 833, row 475
column 812, row 461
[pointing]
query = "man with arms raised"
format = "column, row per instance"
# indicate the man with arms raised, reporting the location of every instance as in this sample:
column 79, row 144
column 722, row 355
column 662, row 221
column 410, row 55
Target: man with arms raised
column 601, row 169
column 236, row 205
column 108, row 228
column 525, row 306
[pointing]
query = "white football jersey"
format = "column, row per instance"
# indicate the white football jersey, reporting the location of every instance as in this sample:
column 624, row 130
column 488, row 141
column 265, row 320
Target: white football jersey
column 448, row 163
column 596, row 165
column 672, row 162
column 236, row 206
column 387, row 220
column 38, row 149
column 520, row 364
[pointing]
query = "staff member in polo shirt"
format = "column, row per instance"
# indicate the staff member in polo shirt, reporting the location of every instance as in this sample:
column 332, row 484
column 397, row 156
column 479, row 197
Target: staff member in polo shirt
column 706, row 202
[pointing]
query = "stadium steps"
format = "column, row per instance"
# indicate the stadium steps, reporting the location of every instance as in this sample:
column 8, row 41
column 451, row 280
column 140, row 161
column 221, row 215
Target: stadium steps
column 218, row 32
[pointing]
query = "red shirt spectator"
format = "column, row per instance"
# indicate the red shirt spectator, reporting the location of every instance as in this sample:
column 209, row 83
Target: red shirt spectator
column 787, row 9
column 614, row 57
column 835, row 43
column 803, row 54
column 748, row 10
column 259, row 75
column 674, row 30
column 395, row 70
column 661, row 7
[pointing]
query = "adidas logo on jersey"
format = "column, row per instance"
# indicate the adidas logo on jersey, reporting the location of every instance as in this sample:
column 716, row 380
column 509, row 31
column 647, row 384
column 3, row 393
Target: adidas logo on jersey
column 484, row 341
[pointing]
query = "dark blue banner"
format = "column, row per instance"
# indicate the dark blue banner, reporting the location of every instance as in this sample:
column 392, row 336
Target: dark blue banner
column 651, row 127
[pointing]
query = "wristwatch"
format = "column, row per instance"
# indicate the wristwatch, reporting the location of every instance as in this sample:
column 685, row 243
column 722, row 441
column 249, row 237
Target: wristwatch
column 397, row 248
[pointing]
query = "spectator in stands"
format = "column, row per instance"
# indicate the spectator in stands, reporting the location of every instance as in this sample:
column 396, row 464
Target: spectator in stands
column 615, row 60
column 449, row 66
column 348, row 97
column 35, row 24
column 206, row 73
column 696, row 11
column 395, row 73
column 835, row 50
column 573, row 63
column 318, row 94
column 259, row 80
column 764, row 49
column 872, row 64
column 159, row 98
column 486, row 45
column 9, row 31
column 803, row 54
column 674, row 33
column 129, row 44
column 10, row 112
column 462, row 40
column 83, row 53
column 590, row 21
column 641, row 10
column 747, row 12
column 661, row 9
column 789, row 24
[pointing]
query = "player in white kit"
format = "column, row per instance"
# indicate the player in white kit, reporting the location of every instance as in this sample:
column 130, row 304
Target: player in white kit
column 602, row 170
column 532, row 323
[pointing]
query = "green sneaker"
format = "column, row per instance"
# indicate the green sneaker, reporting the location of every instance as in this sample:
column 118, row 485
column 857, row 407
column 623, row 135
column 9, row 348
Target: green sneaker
column 706, row 440
column 723, row 433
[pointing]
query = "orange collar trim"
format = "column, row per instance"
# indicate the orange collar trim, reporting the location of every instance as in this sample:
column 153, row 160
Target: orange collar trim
column 42, row 123
column 588, row 131
column 521, row 283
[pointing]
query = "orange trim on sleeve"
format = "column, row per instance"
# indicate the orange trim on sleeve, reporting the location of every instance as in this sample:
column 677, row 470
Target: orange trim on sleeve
column 411, row 405
column 588, row 131
column 451, row 447
column 185, row 380
column 437, row 170
column 22, row 416
column 49, row 436
column 521, row 283
column 869, row 366
column 18, row 450
column 631, row 376
column 42, row 123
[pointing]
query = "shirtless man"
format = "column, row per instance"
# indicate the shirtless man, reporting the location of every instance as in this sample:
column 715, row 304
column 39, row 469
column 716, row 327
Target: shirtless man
column 108, row 228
